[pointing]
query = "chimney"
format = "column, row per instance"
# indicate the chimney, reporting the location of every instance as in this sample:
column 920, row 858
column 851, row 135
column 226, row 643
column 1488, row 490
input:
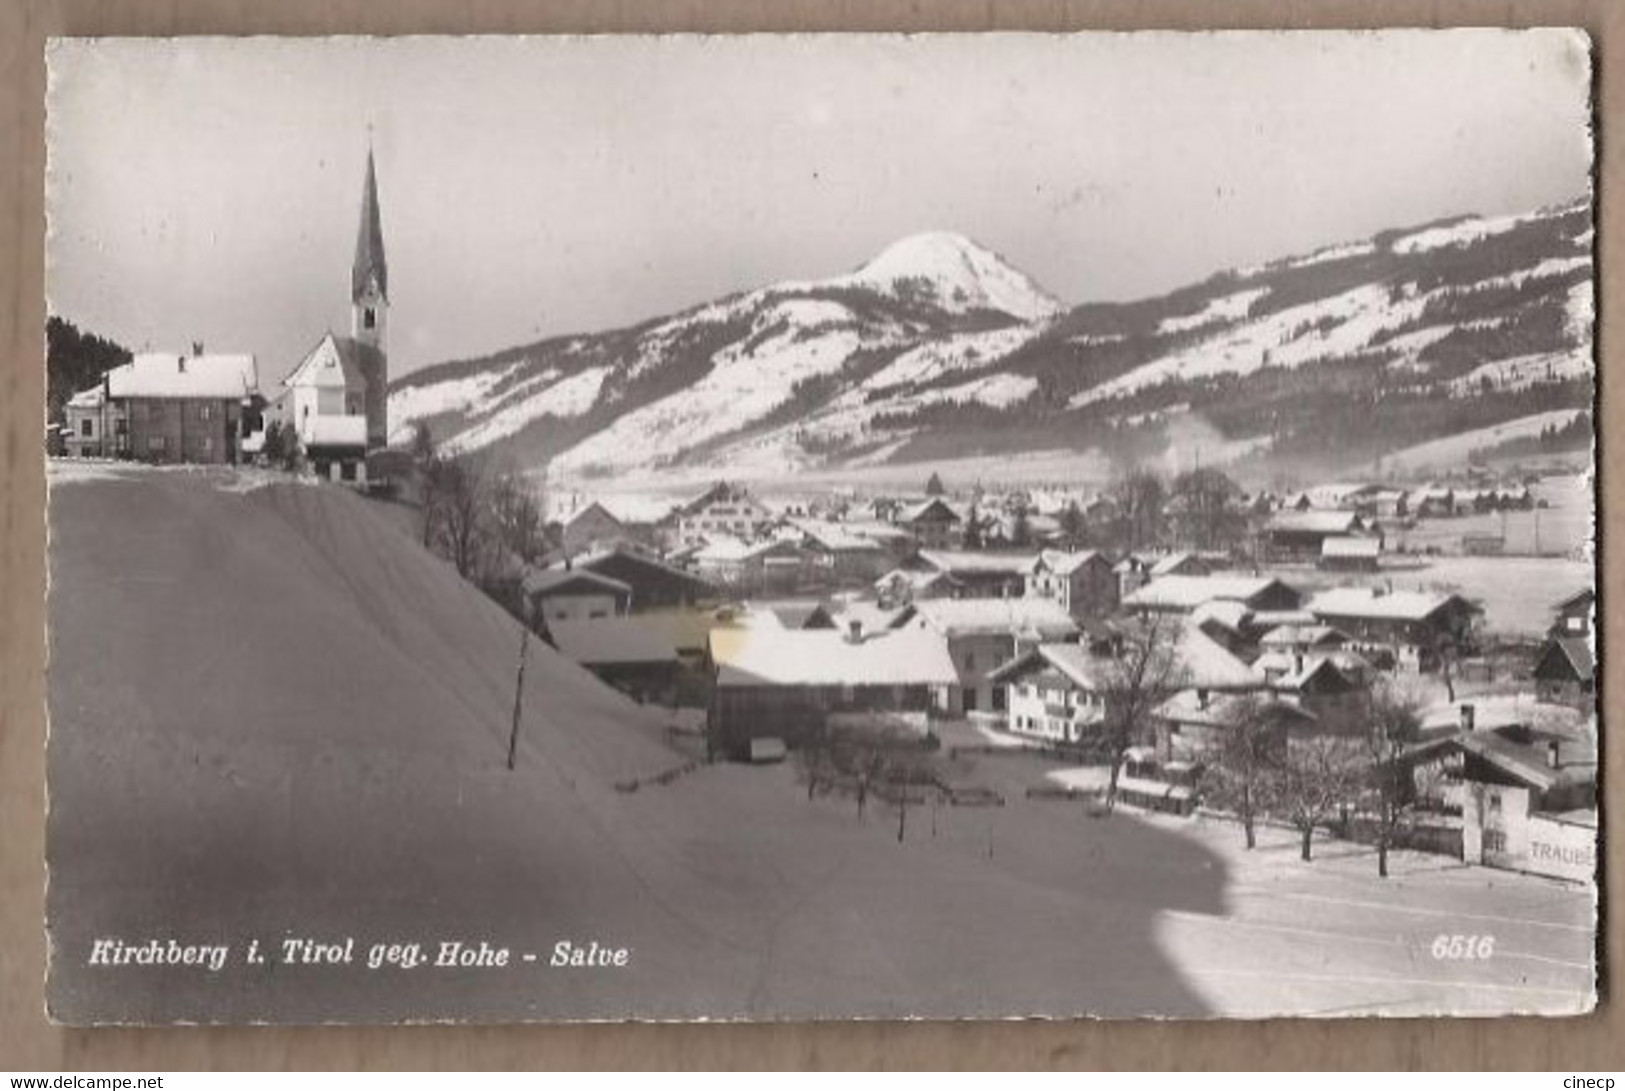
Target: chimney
column 180, row 364
column 1297, row 663
column 1551, row 754
column 1468, row 716
column 197, row 348
column 1202, row 698
column 854, row 631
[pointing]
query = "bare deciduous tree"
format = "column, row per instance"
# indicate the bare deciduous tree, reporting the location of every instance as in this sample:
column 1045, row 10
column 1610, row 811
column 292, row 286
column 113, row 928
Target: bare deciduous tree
column 462, row 514
column 516, row 516
column 1317, row 777
column 1146, row 672
column 1394, row 724
column 1246, row 755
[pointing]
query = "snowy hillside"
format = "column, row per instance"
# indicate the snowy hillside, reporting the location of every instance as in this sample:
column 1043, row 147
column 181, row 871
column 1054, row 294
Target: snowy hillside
column 939, row 348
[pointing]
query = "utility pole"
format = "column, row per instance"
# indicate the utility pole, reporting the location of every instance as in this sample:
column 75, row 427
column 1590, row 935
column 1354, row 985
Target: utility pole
column 518, row 697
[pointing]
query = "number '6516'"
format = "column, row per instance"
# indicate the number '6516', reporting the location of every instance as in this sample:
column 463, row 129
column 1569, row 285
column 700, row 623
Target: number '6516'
column 1463, row 947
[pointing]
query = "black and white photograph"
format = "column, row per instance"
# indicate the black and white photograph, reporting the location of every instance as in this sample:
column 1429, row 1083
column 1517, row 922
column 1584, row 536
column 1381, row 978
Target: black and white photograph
column 821, row 527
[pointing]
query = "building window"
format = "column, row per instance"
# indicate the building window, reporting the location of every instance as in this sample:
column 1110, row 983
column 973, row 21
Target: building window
column 87, row 427
column 369, row 319
column 206, row 444
column 155, row 443
column 205, row 412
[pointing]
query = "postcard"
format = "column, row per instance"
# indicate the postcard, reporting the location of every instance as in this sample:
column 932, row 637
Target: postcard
column 821, row 527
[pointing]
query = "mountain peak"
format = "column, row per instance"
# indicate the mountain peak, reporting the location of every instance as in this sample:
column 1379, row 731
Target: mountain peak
column 959, row 273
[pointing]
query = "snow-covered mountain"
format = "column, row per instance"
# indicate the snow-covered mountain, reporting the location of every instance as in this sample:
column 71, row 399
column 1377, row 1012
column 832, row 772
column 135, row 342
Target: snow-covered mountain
column 939, row 347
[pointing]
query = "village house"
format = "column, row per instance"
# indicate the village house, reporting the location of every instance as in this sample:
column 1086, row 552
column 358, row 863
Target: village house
column 573, row 594
column 1523, row 780
column 624, row 652
column 1054, row 692
column 1411, row 631
column 1179, row 564
column 1182, row 594
column 723, row 510
column 1192, row 725
column 172, row 407
column 983, row 635
column 1083, row 583
column 1574, row 614
column 1354, row 553
column 933, row 522
column 1433, row 502
column 788, row 614
column 94, row 427
column 592, row 527
column 789, row 683
column 1133, row 572
column 1331, row 686
column 1300, row 536
column 904, row 585
column 1566, row 672
column 841, row 555
column 775, row 566
column 977, row 575
column 656, row 585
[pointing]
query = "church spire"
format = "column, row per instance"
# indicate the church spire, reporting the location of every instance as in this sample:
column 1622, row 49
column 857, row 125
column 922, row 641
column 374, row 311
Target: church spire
column 369, row 277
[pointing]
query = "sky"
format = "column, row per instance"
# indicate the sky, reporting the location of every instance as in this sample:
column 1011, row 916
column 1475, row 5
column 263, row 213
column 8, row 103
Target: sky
column 209, row 189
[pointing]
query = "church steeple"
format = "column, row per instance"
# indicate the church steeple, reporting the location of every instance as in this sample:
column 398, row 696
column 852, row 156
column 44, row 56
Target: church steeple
column 370, row 274
column 369, row 311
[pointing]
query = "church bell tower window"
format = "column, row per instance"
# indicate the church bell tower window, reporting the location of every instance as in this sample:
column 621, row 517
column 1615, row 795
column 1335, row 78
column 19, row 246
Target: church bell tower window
column 369, row 319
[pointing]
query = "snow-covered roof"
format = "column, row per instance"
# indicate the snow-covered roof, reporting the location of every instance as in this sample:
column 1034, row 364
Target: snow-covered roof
column 1499, row 711
column 1189, row 592
column 787, row 614
column 915, row 511
column 1376, row 604
column 836, row 537
column 829, row 657
column 542, row 581
column 87, row 399
column 1229, row 613
column 1074, row 661
column 916, row 581
column 1286, row 636
column 613, row 640
column 961, row 562
column 595, row 509
column 1060, row 561
column 1529, row 763
column 1170, row 565
column 173, row 375
column 1017, row 616
column 870, row 615
column 1203, row 662
column 1316, row 522
column 1351, row 547
column 322, row 430
column 725, row 548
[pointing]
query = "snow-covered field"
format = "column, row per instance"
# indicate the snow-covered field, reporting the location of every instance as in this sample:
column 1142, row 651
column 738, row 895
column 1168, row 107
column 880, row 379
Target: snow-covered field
column 1452, row 451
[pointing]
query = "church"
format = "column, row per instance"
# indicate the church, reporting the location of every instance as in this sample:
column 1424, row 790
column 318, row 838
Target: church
column 337, row 399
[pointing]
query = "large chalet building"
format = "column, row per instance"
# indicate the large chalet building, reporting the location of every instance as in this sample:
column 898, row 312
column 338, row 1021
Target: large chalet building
column 169, row 407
